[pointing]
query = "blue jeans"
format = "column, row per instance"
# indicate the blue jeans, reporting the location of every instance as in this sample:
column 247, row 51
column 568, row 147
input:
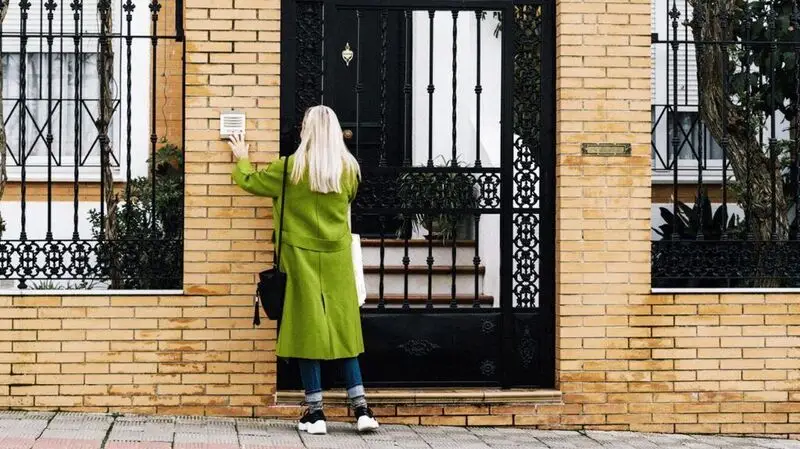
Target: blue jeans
column 311, row 375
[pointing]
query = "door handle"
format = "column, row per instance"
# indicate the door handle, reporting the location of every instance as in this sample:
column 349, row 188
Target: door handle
column 347, row 134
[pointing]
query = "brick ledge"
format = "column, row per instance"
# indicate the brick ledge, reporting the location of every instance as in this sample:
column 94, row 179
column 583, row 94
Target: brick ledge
column 61, row 292
column 435, row 396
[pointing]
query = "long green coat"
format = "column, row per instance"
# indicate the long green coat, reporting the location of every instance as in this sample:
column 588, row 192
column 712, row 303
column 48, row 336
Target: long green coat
column 321, row 317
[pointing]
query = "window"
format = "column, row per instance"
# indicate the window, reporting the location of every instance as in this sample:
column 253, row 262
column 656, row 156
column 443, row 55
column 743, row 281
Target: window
column 62, row 91
column 676, row 98
column 696, row 147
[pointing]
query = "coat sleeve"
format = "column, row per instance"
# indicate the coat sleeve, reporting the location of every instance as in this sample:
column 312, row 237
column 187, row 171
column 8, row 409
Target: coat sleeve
column 266, row 182
column 352, row 188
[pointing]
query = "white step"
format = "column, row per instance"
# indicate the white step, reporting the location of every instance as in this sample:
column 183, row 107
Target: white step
column 417, row 295
column 437, row 301
column 394, row 280
column 394, row 251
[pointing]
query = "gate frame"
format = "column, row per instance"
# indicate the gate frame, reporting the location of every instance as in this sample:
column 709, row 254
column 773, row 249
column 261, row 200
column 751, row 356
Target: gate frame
column 512, row 320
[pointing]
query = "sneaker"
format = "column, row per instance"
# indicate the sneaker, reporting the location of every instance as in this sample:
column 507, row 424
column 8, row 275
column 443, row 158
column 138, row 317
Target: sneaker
column 365, row 420
column 313, row 423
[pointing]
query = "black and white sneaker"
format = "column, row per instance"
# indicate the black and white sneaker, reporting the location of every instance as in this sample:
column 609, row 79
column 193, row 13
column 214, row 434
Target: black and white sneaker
column 313, row 423
column 365, row 420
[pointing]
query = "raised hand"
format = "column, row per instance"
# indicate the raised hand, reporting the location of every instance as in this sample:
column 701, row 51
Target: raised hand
column 238, row 146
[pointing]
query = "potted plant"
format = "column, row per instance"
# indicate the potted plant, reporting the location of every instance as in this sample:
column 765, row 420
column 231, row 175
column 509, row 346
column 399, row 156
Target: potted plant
column 437, row 201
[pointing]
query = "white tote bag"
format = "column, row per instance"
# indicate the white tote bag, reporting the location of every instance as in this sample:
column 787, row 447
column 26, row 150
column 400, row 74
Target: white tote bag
column 358, row 265
column 358, row 269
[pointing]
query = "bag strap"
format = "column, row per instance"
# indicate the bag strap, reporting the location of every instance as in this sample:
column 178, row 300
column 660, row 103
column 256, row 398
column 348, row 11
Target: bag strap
column 283, row 203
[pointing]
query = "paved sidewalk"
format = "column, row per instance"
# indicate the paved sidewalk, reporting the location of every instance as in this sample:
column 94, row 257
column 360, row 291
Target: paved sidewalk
column 34, row 430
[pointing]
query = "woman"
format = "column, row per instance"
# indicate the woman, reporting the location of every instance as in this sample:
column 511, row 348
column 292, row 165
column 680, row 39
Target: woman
column 321, row 318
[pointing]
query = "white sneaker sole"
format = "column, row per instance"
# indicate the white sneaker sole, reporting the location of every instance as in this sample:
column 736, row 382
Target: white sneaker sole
column 367, row 424
column 314, row 428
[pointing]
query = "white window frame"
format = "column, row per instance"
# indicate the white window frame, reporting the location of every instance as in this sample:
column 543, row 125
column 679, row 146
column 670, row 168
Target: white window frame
column 687, row 168
column 140, row 93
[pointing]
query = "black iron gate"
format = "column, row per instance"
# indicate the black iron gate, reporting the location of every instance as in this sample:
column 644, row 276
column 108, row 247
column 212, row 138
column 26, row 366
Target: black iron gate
column 449, row 107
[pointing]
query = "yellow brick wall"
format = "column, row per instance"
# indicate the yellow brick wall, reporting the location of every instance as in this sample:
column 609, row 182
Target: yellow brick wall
column 686, row 363
column 198, row 353
column 181, row 354
column 626, row 359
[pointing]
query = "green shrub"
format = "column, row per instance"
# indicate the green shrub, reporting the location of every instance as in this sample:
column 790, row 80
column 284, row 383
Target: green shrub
column 451, row 191
column 147, row 252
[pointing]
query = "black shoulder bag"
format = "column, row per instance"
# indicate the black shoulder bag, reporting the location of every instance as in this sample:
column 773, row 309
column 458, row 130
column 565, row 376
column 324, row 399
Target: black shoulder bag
column 271, row 289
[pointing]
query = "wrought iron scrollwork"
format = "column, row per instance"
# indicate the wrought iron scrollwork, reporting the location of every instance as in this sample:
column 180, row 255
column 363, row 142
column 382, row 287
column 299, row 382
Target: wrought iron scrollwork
column 527, row 154
column 527, row 348
column 409, row 188
column 309, row 59
column 488, row 368
column 133, row 263
column 527, row 121
column 725, row 264
column 488, row 187
column 418, row 348
column 526, row 260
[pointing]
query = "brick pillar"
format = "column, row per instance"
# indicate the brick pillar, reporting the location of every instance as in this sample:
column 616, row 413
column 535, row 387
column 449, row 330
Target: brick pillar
column 603, row 230
column 233, row 61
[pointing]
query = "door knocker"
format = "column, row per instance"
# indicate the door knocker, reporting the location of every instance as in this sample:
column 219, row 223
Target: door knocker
column 347, row 54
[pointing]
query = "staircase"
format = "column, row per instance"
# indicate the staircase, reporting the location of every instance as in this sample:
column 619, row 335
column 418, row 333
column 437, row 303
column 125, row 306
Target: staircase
column 418, row 272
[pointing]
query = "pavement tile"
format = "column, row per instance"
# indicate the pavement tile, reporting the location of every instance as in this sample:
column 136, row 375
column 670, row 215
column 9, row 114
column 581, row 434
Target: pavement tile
column 206, row 438
column 25, row 423
column 33, row 430
column 779, row 444
column 138, row 445
column 205, row 446
column 31, row 433
column 17, row 443
column 64, row 443
column 17, row 414
column 75, row 434
column 298, row 445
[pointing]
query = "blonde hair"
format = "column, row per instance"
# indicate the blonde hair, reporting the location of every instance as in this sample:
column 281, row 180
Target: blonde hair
column 322, row 152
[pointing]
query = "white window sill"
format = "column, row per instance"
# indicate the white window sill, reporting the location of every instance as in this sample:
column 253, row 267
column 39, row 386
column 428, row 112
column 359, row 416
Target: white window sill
column 689, row 176
column 61, row 174
column 720, row 291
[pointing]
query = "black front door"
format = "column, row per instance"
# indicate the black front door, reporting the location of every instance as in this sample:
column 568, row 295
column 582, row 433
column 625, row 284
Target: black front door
column 365, row 63
column 359, row 65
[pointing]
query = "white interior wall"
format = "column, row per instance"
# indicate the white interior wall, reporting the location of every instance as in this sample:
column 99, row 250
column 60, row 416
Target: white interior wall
column 466, row 108
column 36, row 219
column 466, row 80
